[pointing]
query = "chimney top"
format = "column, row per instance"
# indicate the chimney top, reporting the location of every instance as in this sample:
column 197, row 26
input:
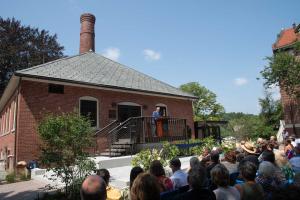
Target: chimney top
column 88, row 17
column 87, row 33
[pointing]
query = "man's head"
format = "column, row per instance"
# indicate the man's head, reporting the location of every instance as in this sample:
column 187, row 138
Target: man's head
column 214, row 156
column 157, row 109
column 175, row 164
column 93, row 188
column 268, row 156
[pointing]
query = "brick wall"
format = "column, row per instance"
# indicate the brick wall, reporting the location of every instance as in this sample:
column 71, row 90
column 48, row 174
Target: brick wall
column 35, row 102
column 7, row 132
column 291, row 112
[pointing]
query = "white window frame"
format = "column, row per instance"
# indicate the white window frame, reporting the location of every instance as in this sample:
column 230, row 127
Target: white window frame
column 15, row 116
column 7, row 121
column 89, row 98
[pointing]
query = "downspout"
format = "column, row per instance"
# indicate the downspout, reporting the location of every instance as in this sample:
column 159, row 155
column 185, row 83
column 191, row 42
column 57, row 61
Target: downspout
column 16, row 123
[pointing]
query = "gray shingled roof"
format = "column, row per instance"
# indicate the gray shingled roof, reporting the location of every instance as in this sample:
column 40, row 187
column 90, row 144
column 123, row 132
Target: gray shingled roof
column 94, row 69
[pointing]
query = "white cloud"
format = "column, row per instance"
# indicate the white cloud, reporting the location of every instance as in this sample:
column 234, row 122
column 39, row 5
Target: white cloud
column 240, row 81
column 150, row 54
column 112, row 53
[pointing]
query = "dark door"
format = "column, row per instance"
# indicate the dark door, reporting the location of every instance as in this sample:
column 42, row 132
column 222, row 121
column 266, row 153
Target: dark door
column 125, row 112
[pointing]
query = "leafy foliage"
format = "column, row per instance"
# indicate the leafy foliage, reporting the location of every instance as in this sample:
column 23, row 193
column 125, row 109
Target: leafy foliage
column 206, row 107
column 207, row 142
column 10, row 178
column 283, row 70
column 145, row 157
column 65, row 139
column 271, row 111
column 24, row 46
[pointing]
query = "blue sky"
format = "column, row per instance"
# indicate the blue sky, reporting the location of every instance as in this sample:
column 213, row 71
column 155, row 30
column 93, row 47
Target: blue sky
column 220, row 44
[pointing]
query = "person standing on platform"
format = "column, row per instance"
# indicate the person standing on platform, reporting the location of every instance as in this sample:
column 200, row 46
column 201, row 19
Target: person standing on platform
column 155, row 116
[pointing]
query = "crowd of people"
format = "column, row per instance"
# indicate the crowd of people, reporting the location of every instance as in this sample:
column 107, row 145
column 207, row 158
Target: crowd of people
column 267, row 170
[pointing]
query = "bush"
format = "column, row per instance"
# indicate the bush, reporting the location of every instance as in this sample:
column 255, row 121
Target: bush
column 65, row 139
column 10, row 178
column 145, row 157
column 24, row 177
column 208, row 142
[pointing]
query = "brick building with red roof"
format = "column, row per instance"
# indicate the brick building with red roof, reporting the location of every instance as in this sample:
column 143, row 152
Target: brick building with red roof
column 286, row 40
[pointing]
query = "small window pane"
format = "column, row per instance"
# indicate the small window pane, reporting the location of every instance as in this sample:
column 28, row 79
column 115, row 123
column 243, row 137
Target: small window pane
column 53, row 88
column 88, row 109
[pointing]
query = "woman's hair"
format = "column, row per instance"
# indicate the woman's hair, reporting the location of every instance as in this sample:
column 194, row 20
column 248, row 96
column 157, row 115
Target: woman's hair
column 281, row 160
column 196, row 177
column 220, row 175
column 248, row 170
column 156, row 168
column 134, row 173
column 266, row 169
column 145, row 187
column 194, row 162
column 104, row 173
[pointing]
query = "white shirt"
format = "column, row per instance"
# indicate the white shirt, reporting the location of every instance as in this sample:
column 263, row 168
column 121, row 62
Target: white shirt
column 228, row 193
column 179, row 179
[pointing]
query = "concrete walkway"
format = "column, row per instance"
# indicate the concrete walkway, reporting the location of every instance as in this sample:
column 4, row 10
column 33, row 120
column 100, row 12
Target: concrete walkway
column 26, row 190
column 119, row 169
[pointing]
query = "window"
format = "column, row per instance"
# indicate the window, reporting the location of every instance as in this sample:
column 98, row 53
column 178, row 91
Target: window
column 14, row 112
column 54, row 88
column 7, row 121
column 88, row 107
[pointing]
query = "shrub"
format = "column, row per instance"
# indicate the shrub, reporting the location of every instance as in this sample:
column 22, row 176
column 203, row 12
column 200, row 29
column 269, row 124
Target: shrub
column 65, row 139
column 145, row 157
column 10, row 178
column 208, row 142
column 24, row 177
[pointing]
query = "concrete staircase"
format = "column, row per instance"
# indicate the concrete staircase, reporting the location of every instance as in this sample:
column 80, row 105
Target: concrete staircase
column 119, row 148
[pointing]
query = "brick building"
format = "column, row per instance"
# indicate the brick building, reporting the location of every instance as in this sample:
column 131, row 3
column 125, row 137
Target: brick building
column 95, row 86
column 286, row 40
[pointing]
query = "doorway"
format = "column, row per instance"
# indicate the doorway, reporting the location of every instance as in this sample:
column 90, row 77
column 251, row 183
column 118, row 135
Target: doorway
column 127, row 111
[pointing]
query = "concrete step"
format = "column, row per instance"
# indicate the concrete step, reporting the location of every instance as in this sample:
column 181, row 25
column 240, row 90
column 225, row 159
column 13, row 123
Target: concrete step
column 112, row 154
column 120, row 146
column 115, row 150
column 124, row 141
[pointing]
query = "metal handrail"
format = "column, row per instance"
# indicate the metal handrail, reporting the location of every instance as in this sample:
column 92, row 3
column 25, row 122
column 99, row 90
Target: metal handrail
column 139, row 130
column 106, row 127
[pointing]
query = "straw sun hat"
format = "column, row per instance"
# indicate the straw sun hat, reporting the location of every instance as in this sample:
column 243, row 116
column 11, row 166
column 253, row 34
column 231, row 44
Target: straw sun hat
column 249, row 147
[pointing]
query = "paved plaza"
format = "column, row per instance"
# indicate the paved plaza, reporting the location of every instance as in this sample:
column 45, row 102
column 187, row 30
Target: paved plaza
column 119, row 169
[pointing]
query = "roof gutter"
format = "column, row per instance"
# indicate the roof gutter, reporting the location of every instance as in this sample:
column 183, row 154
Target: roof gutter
column 9, row 91
column 102, row 86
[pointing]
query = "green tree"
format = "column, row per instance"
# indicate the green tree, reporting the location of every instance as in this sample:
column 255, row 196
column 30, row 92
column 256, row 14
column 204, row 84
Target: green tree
column 284, row 70
column 271, row 111
column 206, row 107
column 65, row 139
column 24, row 46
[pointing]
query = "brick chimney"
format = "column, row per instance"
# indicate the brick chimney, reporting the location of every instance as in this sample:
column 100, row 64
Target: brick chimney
column 87, row 33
